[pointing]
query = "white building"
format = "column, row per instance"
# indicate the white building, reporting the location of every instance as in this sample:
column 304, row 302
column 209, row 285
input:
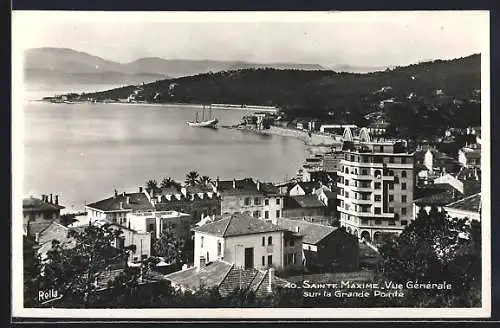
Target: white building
column 465, row 208
column 375, row 186
column 247, row 242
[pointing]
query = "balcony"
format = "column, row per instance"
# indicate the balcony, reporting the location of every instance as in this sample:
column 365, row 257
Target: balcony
column 361, row 201
column 366, row 214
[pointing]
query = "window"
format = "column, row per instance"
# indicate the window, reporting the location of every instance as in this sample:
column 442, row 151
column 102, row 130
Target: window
column 403, row 211
column 269, row 260
column 391, row 198
column 266, row 202
column 346, row 182
column 377, row 210
column 247, row 201
column 256, row 214
column 266, row 214
column 378, row 198
column 263, row 241
column 391, row 159
column 392, row 223
column 219, row 248
column 201, row 241
column 404, row 222
column 391, row 186
column 151, row 227
column 346, row 194
column 278, row 201
column 364, row 221
column 378, row 222
column 352, row 158
column 403, row 186
column 269, row 240
column 403, row 160
column 256, row 201
column 403, row 174
column 391, row 209
column 263, row 261
column 292, row 242
column 277, row 214
column 377, row 185
column 403, row 198
column 364, row 172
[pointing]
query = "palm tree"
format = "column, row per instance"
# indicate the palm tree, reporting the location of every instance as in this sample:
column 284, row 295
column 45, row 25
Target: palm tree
column 192, row 178
column 169, row 182
column 152, row 184
column 205, row 180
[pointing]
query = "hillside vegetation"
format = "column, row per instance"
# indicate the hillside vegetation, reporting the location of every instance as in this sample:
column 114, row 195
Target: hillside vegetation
column 435, row 94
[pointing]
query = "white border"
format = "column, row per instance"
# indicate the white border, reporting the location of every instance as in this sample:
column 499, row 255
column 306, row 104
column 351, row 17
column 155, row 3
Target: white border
column 18, row 18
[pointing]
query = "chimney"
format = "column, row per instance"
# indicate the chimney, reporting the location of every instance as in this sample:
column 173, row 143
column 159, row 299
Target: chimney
column 43, row 198
column 121, row 205
column 56, row 200
column 217, row 182
column 128, row 199
column 37, row 236
column 297, row 229
column 234, row 183
column 123, row 194
column 258, row 185
column 270, row 281
column 116, row 193
column 140, row 189
column 50, row 199
column 202, row 262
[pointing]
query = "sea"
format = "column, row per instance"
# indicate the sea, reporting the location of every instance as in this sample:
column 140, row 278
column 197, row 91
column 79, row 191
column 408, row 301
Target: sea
column 83, row 152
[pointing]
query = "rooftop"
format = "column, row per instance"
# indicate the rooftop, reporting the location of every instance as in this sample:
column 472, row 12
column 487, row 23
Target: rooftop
column 246, row 186
column 470, row 204
column 308, row 187
column 236, row 225
column 33, row 204
column 226, row 277
column 305, row 201
column 137, row 201
column 312, row 233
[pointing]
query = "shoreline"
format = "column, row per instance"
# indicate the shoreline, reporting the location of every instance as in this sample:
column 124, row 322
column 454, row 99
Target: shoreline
column 254, row 108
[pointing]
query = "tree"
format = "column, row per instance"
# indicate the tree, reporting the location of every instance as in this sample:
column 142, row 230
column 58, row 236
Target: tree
column 169, row 182
column 73, row 268
column 151, row 184
column 192, row 178
column 170, row 247
column 205, row 180
column 434, row 248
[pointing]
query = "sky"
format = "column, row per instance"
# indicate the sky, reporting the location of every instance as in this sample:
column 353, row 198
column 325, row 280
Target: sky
column 367, row 39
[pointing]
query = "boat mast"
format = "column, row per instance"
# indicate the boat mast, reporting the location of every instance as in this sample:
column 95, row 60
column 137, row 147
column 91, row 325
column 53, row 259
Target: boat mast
column 203, row 114
column 210, row 111
column 196, row 117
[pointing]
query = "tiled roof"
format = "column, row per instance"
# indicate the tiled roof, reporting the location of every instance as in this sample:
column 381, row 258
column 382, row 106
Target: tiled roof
column 471, row 187
column 37, row 226
column 53, row 231
column 238, row 224
column 305, row 201
column 312, row 233
column 246, row 187
column 210, row 275
column 439, row 199
column 226, row 277
column 34, row 204
column 471, row 204
column 138, row 202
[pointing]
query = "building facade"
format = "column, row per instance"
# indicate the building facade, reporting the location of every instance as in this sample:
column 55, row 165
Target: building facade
column 246, row 242
column 255, row 198
column 375, row 186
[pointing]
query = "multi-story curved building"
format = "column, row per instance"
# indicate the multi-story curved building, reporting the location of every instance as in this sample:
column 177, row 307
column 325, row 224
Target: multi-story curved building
column 375, row 185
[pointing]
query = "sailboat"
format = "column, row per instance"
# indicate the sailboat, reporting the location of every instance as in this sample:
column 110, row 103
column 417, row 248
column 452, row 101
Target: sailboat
column 210, row 123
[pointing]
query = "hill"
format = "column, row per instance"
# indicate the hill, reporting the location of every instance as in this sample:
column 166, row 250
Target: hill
column 436, row 93
column 62, row 66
